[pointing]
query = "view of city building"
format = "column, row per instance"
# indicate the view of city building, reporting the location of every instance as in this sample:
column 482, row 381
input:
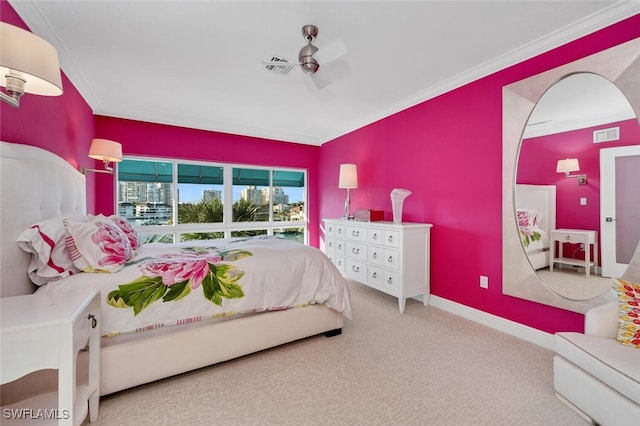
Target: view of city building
column 150, row 203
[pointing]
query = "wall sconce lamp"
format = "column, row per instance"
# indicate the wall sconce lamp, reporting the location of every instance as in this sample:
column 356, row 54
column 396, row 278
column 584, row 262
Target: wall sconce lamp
column 571, row 165
column 107, row 151
column 28, row 64
column 348, row 179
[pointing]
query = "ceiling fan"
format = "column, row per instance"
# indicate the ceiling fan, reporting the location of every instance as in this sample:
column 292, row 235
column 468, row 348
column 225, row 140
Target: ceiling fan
column 310, row 57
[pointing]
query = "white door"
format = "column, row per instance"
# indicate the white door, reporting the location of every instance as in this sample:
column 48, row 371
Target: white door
column 619, row 207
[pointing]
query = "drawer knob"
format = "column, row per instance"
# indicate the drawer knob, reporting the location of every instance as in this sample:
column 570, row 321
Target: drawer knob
column 355, row 250
column 355, row 268
column 390, row 238
column 340, row 246
column 568, row 237
column 374, row 237
column 374, row 255
column 355, row 233
column 94, row 321
column 330, row 243
column 374, row 275
column 390, row 281
column 390, row 259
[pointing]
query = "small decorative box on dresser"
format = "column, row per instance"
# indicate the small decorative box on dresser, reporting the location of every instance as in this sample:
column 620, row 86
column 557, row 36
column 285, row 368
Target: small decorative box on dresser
column 41, row 331
column 390, row 257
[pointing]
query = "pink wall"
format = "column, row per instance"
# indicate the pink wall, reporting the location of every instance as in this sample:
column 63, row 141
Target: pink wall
column 140, row 138
column 448, row 152
column 537, row 165
column 60, row 124
column 411, row 149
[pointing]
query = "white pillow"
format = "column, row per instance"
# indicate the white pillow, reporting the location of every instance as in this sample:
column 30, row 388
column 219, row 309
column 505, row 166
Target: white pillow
column 50, row 259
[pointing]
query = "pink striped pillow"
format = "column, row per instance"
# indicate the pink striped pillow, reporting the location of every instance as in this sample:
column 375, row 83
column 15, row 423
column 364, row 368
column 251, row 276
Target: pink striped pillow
column 45, row 241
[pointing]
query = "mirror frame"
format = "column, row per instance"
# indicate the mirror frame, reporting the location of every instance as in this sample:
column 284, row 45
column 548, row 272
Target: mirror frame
column 621, row 66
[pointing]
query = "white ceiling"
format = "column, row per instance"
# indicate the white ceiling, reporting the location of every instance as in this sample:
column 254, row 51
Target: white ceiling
column 197, row 63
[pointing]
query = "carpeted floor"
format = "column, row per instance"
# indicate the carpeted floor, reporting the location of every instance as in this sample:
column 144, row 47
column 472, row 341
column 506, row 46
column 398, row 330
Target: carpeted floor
column 426, row 367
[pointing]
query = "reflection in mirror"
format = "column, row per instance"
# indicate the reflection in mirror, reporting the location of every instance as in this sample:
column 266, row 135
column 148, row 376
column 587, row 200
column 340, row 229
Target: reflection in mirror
column 558, row 218
column 576, row 204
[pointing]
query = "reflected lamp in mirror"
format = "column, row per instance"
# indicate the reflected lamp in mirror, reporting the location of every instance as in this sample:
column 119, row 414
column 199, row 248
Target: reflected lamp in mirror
column 348, row 180
column 571, row 165
column 106, row 150
column 28, row 64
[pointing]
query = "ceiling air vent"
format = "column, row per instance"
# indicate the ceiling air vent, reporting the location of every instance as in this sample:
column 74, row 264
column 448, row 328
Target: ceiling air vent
column 606, row 135
column 283, row 69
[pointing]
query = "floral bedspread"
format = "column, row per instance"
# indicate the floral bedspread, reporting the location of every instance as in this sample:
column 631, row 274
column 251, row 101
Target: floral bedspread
column 534, row 239
column 169, row 284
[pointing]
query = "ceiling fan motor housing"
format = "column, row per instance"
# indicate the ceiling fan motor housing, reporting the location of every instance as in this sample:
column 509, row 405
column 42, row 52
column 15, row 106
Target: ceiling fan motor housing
column 308, row 64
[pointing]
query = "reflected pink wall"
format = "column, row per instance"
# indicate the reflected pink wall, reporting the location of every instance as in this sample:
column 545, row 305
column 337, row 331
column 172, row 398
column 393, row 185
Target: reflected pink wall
column 537, row 165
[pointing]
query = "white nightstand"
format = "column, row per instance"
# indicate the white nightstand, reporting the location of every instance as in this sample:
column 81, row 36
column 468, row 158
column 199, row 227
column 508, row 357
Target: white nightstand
column 575, row 236
column 42, row 331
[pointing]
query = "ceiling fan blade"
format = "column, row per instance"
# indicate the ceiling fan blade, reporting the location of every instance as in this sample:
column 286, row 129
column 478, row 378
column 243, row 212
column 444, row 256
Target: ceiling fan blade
column 321, row 80
column 330, row 52
column 280, row 63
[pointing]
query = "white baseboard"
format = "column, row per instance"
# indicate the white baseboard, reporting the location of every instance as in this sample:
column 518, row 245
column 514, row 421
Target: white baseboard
column 513, row 328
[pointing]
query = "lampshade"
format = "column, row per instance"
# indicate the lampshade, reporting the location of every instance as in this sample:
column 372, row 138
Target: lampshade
column 105, row 150
column 30, row 58
column 568, row 165
column 348, row 176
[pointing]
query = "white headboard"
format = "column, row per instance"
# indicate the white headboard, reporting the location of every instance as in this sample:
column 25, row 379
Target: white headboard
column 34, row 185
column 538, row 197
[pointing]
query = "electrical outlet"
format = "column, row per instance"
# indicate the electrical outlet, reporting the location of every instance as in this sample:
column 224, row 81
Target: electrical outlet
column 484, row 281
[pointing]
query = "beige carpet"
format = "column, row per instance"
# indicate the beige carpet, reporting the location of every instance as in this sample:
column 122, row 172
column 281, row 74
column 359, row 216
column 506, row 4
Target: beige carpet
column 426, row 367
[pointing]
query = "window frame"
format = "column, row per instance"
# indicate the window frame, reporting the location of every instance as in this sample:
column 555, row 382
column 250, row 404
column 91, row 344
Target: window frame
column 176, row 230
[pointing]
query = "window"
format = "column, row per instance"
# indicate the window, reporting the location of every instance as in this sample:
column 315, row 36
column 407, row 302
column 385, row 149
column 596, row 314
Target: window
column 180, row 200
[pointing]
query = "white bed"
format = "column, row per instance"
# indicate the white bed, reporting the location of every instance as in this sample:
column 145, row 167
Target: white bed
column 542, row 199
column 37, row 185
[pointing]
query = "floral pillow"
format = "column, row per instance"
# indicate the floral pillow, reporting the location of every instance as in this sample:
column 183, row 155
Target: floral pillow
column 125, row 226
column 529, row 218
column 97, row 246
column 129, row 231
column 628, row 312
column 50, row 259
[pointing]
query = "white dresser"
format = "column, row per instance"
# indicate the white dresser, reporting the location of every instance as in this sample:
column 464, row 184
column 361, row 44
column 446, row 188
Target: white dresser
column 390, row 257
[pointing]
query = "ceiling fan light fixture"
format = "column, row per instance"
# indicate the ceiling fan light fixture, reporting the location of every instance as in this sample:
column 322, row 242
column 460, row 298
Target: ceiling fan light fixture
column 308, row 64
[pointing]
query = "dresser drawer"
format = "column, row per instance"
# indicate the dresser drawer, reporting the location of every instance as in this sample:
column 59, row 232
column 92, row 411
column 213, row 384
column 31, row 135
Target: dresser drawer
column 356, row 270
column 391, row 238
column 356, row 250
column 570, row 237
column 330, row 230
column 329, row 246
column 375, row 275
column 339, row 262
column 375, row 255
column 376, row 236
column 391, row 259
column 391, row 281
column 357, row 233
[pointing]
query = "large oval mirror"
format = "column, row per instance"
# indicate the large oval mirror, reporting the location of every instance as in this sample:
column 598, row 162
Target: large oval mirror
column 621, row 65
column 558, row 182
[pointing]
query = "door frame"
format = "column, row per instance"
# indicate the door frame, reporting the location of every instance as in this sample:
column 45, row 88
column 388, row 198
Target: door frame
column 609, row 266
